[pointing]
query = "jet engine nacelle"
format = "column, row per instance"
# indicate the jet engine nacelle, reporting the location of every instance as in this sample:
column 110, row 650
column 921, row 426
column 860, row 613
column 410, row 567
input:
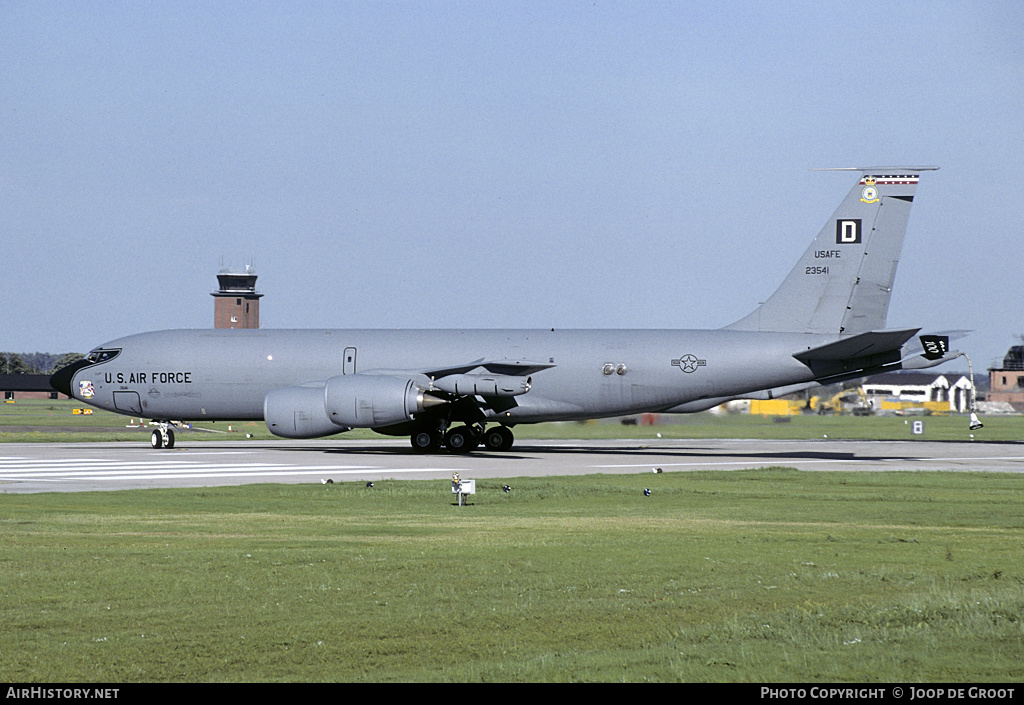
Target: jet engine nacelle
column 343, row 402
column 370, row 401
column 484, row 385
column 298, row 412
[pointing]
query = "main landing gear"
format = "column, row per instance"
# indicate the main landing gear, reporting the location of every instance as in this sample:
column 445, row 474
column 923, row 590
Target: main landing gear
column 462, row 439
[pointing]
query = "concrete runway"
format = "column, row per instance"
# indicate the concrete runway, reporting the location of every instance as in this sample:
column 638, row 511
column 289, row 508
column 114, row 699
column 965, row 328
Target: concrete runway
column 69, row 467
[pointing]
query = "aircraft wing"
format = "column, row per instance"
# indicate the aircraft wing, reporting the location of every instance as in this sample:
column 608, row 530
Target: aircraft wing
column 469, row 387
column 864, row 345
column 874, row 352
column 512, row 368
column 495, row 381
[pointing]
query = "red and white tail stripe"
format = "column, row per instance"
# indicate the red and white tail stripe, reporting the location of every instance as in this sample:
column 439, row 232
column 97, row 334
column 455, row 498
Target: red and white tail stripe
column 890, row 179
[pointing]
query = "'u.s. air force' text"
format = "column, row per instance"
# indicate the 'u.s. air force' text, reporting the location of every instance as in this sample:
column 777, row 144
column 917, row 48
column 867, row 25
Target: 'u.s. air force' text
column 147, row 377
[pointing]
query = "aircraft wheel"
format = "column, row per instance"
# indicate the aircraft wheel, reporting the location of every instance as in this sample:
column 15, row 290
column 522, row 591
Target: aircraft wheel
column 425, row 441
column 157, row 440
column 169, row 441
column 499, row 438
column 461, row 440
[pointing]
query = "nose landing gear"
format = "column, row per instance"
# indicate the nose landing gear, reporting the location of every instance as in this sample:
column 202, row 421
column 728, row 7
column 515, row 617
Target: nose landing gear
column 162, row 437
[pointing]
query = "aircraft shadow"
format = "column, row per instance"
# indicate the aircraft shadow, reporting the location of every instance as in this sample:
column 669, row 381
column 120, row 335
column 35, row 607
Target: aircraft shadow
column 524, row 452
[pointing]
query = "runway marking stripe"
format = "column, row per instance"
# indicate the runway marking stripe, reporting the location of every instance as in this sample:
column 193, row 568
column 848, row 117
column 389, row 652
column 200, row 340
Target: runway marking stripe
column 102, row 469
column 155, row 465
column 97, row 461
column 193, row 475
column 177, row 471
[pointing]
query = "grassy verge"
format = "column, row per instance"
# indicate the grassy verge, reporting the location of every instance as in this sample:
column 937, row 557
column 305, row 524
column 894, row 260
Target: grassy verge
column 770, row 575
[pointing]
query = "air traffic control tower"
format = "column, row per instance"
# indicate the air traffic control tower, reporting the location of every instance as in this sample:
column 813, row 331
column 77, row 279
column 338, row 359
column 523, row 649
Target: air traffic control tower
column 236, row 304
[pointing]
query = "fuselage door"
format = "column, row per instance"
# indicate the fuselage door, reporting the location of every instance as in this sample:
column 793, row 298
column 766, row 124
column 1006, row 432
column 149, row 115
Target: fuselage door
column 348, row 365
column 128, row 402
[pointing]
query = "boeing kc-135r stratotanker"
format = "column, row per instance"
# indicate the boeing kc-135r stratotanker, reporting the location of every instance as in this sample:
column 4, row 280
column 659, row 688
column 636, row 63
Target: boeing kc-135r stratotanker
column 459, row 389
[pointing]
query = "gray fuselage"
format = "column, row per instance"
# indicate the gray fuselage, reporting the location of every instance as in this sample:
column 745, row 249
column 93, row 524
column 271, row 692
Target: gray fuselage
column 226, row 374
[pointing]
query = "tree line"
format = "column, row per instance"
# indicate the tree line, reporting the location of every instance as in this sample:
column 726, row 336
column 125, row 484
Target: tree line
column 36, row 363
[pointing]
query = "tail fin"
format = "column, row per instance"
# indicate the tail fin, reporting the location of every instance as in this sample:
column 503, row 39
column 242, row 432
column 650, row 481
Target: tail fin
column 842, row 283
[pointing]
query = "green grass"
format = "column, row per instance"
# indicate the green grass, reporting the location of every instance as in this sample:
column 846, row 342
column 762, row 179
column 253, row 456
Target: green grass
column 769, row 576
column 52, row 420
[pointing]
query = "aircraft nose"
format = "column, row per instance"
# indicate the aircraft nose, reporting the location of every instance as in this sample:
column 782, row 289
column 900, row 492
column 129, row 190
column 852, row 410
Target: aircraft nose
column 62, row 378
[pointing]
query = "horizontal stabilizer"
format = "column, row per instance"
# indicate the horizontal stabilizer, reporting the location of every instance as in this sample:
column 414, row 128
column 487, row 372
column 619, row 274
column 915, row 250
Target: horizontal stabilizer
column 870, row 344
column 778, row 392
column 933, row 343
column 921, row 362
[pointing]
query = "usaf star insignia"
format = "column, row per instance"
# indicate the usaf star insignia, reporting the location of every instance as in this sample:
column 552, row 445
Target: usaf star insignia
column 689, row 363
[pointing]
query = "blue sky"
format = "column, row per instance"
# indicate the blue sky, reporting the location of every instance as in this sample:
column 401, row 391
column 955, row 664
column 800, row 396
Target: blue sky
column 494, row 164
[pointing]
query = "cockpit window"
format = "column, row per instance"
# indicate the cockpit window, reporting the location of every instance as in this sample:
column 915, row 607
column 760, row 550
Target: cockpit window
column 102, row 355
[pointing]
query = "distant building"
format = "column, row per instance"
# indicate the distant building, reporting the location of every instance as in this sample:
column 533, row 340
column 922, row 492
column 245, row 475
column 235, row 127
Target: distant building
column 1006, row 383
column 27, row 387
column 937, row 391
column 236, row 303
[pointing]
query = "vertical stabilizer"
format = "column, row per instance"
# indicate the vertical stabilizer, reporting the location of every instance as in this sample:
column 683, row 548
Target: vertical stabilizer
column 842, row 283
